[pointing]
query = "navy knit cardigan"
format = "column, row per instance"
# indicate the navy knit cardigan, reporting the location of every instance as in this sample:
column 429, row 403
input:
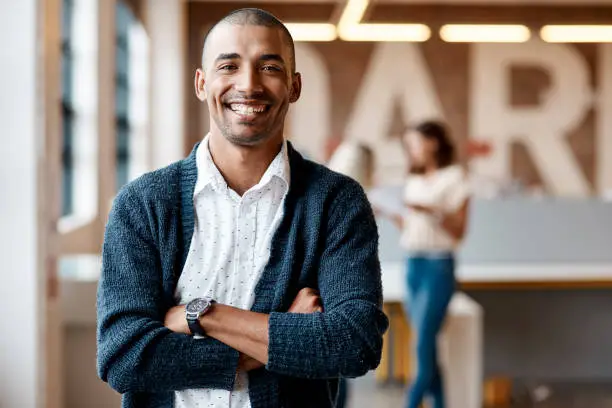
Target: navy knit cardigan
column 327, row 240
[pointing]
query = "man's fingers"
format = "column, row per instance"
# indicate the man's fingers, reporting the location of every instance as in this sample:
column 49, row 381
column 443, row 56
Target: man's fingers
column 308, row 300
column 309, row 291
column 318, row 305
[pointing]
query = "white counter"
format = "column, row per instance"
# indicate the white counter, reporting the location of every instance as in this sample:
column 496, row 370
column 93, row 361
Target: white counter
column 394, row 286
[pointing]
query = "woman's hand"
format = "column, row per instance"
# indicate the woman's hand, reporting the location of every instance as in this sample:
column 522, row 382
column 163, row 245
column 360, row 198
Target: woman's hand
column 421, row 208
column 397, row 219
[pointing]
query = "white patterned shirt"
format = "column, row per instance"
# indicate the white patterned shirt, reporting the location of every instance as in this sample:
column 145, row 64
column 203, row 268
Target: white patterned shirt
column 229, row 249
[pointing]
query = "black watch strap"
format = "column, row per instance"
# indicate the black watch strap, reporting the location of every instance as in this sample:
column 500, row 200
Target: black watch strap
column 194, row 327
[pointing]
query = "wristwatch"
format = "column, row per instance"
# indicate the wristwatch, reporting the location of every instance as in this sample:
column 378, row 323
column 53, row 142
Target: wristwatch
column 194, row 310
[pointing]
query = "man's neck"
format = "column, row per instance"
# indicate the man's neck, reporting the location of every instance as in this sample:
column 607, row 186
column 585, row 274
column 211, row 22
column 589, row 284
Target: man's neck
column 242, row 166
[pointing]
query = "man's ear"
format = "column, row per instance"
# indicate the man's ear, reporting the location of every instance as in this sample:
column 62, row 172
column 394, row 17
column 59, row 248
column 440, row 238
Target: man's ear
column 296, row 87
column 199, row 85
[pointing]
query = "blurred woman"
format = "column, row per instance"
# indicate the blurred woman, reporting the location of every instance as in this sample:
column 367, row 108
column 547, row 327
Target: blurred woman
column 437, row 196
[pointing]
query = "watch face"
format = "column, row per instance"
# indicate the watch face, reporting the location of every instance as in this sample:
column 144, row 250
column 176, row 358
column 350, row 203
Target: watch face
column 197, row 305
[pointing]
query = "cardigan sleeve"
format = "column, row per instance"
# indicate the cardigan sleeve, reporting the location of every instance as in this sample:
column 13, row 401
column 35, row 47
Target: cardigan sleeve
column 135, row 351
column 346, row 339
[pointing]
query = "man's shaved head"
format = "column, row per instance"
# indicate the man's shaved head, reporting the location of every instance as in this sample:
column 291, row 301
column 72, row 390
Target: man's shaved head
column 255, row 17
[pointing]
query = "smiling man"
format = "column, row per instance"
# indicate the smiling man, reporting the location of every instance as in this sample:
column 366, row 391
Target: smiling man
column 243, row 275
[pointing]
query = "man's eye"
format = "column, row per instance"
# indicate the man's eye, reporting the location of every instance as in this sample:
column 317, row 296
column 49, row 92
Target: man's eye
column 229, row 67
column 271, row 68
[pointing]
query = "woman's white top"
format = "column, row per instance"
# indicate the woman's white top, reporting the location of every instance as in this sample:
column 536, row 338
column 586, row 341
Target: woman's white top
column 445, row 190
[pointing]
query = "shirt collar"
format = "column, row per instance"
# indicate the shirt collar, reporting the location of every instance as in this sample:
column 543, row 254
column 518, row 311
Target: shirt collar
column 209, row 174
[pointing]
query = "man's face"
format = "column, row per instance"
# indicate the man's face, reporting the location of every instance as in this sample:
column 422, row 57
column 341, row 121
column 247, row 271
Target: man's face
column 247, row 82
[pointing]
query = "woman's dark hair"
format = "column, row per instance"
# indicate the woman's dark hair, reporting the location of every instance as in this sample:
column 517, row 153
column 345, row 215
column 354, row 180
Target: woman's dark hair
column 433, row 130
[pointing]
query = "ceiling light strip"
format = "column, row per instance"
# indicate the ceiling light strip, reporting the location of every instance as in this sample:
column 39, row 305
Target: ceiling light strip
column 353, row 13
column 351, row 29
column 485, row 33
column 312, row 31
column 386, row 32
column 576, row 33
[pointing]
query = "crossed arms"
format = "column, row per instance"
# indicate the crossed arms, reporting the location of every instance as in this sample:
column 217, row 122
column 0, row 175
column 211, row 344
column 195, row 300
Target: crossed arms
column 137, row 352
column 245, row 331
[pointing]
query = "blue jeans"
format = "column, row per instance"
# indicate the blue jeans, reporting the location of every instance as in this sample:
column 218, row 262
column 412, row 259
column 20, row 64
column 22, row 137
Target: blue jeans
column 431, row 283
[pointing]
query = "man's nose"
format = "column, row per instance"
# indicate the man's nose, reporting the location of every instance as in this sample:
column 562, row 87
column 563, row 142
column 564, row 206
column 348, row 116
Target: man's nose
column 249, row 81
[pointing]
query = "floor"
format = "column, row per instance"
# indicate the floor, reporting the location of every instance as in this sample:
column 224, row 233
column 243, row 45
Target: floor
column 366, row 393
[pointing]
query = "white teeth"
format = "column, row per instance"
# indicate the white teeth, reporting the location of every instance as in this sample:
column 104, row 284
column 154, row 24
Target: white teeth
column 247, row 109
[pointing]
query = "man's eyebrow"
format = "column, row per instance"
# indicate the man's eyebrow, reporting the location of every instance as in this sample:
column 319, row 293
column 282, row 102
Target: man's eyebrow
column 227, row 56
column 272, row 57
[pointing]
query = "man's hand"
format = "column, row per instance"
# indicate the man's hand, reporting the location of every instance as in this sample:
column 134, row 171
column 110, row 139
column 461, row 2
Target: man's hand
column 306, row 301
column 246, row 363
column 175, row 320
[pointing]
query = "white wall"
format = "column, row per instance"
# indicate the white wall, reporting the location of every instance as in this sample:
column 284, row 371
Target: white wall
column 166, row 26
column 21, row 143
column 83, row 387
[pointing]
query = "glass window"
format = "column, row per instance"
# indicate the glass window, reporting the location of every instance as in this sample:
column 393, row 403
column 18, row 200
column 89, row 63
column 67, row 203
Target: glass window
column 124, row 20
column 68, row 111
